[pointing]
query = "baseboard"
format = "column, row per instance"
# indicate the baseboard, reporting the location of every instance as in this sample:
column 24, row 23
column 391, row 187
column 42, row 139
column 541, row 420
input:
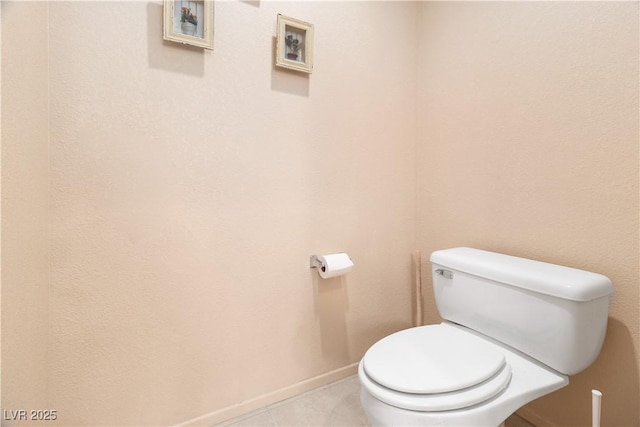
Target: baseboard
column 534, row 418
column 267, row 399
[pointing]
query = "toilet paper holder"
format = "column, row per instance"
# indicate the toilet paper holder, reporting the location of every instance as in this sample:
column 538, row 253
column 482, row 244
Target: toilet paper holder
column 331, row 265
column 314, row 262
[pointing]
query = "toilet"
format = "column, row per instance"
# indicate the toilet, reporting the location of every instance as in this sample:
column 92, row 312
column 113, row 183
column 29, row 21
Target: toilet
column 513, row 330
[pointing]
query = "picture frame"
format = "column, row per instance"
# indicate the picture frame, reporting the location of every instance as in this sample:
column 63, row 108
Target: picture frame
column 189, row 22
column 294, row 45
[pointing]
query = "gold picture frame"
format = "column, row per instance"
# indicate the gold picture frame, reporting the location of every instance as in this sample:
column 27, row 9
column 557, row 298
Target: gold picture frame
column 294, row 46
column 189, row 22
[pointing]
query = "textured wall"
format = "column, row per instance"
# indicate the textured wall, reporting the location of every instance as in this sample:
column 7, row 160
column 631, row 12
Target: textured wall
column 529, row 146
column 25, row 166
column 189, row 188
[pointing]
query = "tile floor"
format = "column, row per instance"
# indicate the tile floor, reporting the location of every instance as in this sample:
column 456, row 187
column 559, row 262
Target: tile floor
column 336, row 404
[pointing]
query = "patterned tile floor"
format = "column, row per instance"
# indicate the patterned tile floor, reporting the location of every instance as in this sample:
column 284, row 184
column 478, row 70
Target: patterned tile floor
column 336, row 404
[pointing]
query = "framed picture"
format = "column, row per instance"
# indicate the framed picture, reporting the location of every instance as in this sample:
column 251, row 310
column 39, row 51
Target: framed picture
column 294, row 48
column 189, row 22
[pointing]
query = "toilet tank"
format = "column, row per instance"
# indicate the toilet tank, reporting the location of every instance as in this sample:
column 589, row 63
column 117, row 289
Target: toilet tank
column 555, row 314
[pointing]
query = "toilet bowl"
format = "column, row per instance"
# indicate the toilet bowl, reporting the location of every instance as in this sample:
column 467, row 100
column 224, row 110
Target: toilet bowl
column 507, row 339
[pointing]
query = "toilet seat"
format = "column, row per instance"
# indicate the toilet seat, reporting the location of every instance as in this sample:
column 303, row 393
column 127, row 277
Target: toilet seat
column 434, row 368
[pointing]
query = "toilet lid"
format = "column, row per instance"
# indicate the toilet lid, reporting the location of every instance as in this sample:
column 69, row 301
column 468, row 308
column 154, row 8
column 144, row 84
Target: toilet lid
column 432, row 359
column 439, row 401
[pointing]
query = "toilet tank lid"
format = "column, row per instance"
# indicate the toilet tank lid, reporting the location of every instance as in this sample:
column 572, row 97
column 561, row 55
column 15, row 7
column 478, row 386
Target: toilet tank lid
column 549, row 279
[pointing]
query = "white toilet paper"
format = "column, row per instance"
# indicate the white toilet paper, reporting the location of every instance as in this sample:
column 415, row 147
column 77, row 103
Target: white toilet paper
column 334, row 265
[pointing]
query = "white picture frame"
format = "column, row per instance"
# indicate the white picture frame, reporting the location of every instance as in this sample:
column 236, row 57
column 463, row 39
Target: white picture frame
column 189, row 22
column 294, row 45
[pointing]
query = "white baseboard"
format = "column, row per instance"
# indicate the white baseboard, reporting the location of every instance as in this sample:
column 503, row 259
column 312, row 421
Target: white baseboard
column 267, row 399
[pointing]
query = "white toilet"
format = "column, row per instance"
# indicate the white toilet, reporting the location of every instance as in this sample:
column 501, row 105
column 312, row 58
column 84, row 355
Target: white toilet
column 514, row 329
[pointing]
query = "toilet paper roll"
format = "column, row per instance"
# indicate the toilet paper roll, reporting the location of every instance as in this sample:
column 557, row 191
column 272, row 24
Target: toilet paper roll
column 334, row 265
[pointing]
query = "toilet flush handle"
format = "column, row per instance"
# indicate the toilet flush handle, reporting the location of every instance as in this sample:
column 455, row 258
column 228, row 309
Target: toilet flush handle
column 444, row 273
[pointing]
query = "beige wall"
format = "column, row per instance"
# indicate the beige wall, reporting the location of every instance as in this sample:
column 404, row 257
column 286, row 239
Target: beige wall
column 529, row 145
column 0, row 205
column 25, row 167
column 189, row 189
column 160, row 209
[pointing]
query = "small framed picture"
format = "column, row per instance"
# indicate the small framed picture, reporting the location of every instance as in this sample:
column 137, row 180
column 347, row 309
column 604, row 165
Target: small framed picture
column 189, row 22
column 294, row 49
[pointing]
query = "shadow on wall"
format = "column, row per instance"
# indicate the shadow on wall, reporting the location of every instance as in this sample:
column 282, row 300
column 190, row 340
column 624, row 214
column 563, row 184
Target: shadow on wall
column 331, row 304
column 614, row 373
column 287, row 81
column 170, row 56
column 255, row 3
column 617, row 376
